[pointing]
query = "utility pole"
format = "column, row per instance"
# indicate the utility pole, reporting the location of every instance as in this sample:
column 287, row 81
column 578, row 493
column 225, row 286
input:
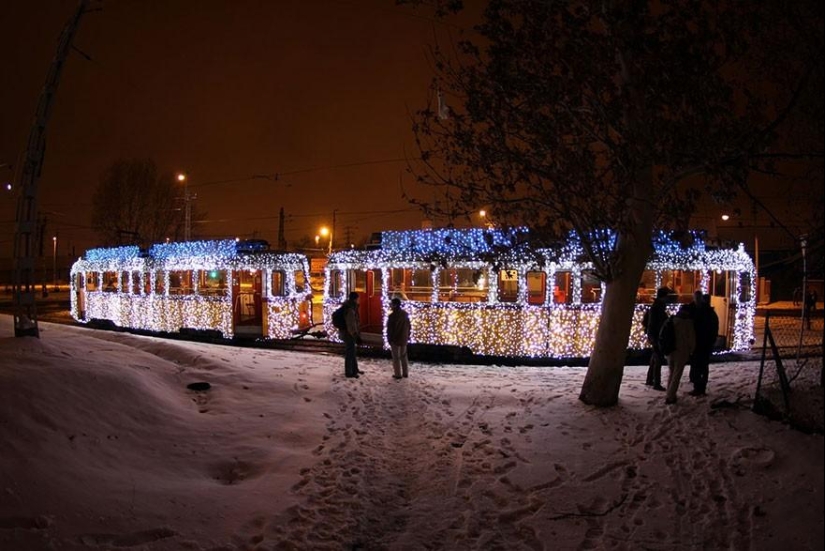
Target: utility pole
column 25, row 235
column 332, row 231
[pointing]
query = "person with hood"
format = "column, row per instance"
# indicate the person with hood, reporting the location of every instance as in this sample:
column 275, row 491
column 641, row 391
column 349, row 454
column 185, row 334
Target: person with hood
column 685, row 343
column 398, row 335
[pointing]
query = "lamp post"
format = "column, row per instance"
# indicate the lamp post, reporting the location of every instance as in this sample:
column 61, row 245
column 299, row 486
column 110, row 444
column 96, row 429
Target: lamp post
column 317, row 240
column 54, row 263
column 187, row 207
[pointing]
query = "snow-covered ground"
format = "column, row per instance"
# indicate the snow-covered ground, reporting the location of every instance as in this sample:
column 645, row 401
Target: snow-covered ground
column 102, row 446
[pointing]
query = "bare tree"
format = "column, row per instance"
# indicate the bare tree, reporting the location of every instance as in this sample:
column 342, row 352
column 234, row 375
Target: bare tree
column 133, row 204
column 592, row 116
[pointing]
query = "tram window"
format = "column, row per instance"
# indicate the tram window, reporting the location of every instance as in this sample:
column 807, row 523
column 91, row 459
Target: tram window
column 561, row 288
column 421, row 287
column 180, row 282
column 147, row 283
column 212, row 282
column 160, row 283
column 535, row 287
column 124, row 282
column 591, row 288
column 507, row 285
column 109, row 282
column 399, row 283
column 92, row 281
column 647, row 287
column 136, row 283
column 359, row 281
column 300, row 281
column 336, row 284
column 276, row 286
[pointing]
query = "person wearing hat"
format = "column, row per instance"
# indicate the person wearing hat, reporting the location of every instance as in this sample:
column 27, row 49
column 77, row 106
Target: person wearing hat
column 398, row 335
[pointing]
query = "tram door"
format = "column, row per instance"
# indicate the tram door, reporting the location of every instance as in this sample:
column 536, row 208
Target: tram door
column 247, row 310
column 374, row 319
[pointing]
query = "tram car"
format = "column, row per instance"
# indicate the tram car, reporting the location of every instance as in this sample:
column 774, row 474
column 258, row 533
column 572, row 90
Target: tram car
column 237, row 288
column 489, row 291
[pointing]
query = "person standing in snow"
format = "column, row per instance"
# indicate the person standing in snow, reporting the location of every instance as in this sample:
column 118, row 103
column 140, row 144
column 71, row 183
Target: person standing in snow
column 685, row 343
column 706, row 326
column 398, row 335
column 351, row 335
column 656, row 317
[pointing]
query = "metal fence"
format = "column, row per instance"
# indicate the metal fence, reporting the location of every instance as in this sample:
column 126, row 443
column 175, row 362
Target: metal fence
column 790, row 384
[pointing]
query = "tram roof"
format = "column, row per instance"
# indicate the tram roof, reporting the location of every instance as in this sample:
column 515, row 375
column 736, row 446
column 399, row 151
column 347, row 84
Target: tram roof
column 182, row 251
column 511, row 246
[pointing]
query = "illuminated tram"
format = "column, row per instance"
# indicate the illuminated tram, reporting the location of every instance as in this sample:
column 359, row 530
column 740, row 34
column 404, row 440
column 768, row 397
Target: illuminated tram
column 487, row 290
column 237, row 288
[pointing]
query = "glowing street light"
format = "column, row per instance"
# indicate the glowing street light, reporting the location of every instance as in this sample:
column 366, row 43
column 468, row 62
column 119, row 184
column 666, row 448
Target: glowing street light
column 325, row 232
column 187, row 229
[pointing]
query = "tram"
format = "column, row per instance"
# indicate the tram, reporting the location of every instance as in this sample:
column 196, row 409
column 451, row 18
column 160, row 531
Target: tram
column 489, row 291
column 237, row 288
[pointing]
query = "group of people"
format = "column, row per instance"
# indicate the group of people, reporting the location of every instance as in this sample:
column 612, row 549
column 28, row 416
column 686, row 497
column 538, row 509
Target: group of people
column 398, row 335
column 695, row 329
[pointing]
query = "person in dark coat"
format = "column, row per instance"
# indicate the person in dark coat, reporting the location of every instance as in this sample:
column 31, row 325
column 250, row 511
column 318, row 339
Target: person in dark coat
column 655, row 319
column 706, row 326
column 398, row 335
column 351, row 335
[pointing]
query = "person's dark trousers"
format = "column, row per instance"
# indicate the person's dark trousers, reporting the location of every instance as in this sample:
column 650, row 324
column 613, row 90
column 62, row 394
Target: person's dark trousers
column 350, row 359
column 699, row 369
column 654, row 371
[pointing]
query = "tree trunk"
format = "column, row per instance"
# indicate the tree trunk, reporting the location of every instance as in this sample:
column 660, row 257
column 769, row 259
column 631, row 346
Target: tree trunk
column 633, row 248
column 606, row 367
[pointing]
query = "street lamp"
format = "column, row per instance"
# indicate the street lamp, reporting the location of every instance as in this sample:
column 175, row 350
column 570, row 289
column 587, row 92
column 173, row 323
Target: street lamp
column 187, row 207
column 54, row 262
column 324, row 231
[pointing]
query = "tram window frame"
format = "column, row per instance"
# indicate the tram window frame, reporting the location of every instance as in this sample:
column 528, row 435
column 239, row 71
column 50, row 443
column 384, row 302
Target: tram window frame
column 125, row 287
column 277, row 283
column 110, row 285
column 536, row 297
column 136, row 284
column 508, row 278
column 92, row 283
column 337, row 286
column 204, row 278
column 160, row 283
column 358, row 281
column 562, row 292
column 398, row 278
column 591, row 288
column 646, row 292
column 299, row 276
column 424, row 291
column 181, row 276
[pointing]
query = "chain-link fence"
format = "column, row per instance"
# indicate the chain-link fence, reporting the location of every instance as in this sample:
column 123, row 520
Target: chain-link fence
column 790, row 385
